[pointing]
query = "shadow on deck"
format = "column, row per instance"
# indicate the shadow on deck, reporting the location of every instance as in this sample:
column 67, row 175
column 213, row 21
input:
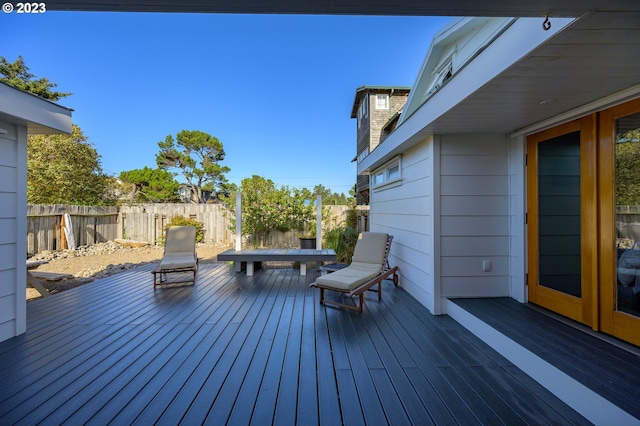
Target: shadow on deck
column 262, row 350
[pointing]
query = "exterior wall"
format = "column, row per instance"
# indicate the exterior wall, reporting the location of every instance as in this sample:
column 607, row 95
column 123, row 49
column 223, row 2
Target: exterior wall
column 398, row 101
column 380, row 117
column 406, row 210
column 369, row 134
column 474, row 215
column 517, row 225
column 13, row 160
column 363, row 136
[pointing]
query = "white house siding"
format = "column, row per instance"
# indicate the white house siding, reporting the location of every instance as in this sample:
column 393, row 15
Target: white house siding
column 517, row 225
column 405, row 210
column 474, row 215
column 12, row 230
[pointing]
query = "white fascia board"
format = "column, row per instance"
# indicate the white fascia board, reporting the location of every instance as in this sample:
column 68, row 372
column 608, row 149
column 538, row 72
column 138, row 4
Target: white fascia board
column 515, row 43
column 39, row 115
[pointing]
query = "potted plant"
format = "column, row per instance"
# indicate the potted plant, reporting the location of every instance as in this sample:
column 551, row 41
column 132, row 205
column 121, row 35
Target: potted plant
column 303, row 219
column 308, row 235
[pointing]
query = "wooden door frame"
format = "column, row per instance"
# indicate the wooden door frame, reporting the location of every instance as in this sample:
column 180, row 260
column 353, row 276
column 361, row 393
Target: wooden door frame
column 616, row 323
column 584, row 309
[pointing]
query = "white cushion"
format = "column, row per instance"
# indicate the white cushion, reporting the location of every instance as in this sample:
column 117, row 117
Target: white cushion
column 178, row 260
column 180, row 239
column 370, row 248
column 352, row 276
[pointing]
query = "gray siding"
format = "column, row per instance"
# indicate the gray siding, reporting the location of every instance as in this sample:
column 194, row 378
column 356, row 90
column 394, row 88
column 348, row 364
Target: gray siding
column 406, row 211
column 474, row 215
column 517, row 225
column 9, row 186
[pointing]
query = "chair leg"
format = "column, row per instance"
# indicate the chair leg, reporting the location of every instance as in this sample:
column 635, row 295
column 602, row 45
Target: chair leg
column 361, row 299
column 321, row 295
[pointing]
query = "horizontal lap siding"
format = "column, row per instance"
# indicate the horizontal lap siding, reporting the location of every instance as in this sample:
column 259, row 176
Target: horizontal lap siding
column 9, row 186
column 406, row 212
column 474, row 215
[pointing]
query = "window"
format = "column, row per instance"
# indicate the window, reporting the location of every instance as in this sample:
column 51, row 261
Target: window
column 393, row 172
column 378, row 178
column 363, row 110
column 390, row 173
column 382, row 101
column 441, row 76
column 363, row 154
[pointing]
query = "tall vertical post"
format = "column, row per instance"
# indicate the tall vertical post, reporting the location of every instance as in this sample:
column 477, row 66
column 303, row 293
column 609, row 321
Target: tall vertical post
column 238, row 221
column 318, row 221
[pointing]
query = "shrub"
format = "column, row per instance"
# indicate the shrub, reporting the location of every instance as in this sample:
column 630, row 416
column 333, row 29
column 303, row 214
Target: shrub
column 343, row 241
column 183, row 221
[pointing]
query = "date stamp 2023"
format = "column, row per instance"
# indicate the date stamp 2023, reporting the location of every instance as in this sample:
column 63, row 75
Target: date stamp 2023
column 20, row 8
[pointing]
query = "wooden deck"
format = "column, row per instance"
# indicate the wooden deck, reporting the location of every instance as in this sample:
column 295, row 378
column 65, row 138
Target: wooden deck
column 606, row 367
column 255, row 350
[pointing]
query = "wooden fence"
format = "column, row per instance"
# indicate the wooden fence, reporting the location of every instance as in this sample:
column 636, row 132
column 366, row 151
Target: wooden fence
column 90, row 225
column 627, row 225
column 146, row 222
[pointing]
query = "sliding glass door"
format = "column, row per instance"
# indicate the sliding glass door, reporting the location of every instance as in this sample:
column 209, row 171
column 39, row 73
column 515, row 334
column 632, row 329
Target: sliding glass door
column 561, row 219
column 620, row 221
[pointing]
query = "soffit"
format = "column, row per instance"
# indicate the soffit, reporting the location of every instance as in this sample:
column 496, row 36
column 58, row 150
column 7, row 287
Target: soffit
column 595, row 57
column 359, row 7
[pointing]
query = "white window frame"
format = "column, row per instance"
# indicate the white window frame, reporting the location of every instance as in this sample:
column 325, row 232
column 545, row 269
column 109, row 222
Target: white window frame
column 382, row 101
column 440, row 77
column 363, row 154
column 387, row 175
column 442, row 73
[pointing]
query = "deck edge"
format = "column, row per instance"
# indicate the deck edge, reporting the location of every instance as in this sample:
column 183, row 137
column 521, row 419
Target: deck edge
column 588, row 403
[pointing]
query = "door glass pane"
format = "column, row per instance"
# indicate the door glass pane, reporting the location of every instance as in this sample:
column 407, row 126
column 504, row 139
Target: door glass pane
column 628, row 214
column 559, row 213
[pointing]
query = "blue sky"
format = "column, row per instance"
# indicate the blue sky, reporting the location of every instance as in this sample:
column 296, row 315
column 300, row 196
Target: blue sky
column 277, row 90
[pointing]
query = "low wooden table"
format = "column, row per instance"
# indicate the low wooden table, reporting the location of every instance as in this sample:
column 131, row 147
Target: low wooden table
column 249, row 256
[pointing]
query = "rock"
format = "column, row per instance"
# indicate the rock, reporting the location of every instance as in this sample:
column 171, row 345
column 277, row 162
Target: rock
column 131, row 243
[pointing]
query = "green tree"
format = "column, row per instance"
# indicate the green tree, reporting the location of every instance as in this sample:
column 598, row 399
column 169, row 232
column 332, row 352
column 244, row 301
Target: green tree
column 266, row 207
column 17, row 75
column 627, row 167
column 65, row 169
column 197, row 156
column 333, row 198
column 151, row 185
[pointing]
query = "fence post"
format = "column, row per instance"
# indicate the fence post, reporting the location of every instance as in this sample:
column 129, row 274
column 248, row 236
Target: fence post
column 238, row 221
column 318, row 221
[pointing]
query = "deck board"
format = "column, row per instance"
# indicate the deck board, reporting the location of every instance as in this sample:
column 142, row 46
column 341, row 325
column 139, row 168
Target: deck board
column 607, row 369
column 241, row 350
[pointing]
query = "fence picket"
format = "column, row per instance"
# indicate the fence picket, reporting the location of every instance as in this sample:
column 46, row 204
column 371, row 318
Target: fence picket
column 93, row 224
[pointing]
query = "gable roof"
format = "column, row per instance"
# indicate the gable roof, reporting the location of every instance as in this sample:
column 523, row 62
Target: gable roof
column 455, row 45
column 524, row 76
column 363, row 90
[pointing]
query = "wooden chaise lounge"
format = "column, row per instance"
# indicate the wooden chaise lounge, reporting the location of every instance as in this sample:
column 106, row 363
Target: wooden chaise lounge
column 179, row 256
column 370, row 266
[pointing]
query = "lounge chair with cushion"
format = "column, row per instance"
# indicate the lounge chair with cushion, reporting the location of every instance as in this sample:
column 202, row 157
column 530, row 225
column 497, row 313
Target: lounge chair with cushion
column 179, row 256
column 369, row 266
